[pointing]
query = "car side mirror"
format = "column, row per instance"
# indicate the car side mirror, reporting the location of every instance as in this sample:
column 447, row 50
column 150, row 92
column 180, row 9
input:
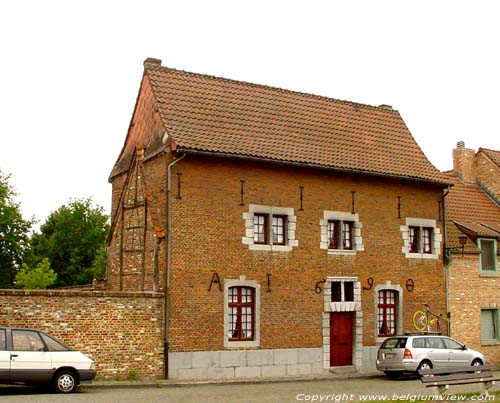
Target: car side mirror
column 464, row 347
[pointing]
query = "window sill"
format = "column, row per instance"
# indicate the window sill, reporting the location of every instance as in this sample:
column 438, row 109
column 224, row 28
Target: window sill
column 271, row 248
column 490, row 342
column 429, row 256
column 341, row 252
column 488, row 273
column 240, row 344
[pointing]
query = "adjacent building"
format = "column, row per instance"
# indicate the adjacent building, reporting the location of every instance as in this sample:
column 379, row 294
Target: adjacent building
column 473, row 233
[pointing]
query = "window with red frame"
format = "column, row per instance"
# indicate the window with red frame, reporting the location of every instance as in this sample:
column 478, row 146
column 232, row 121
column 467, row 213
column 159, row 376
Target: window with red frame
column 387, row 312
column 241, row 313
column 340, row 235
column 414, row 239
column 278, row 229
column 260, row 222
column 426, row 240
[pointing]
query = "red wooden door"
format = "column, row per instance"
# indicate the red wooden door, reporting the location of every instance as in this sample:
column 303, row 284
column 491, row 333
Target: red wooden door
column 341, row 324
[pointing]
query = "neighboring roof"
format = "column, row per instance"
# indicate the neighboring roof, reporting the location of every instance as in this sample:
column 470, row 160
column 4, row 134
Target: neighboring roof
column 469, row 209
column 214, row 115
column 494, row 155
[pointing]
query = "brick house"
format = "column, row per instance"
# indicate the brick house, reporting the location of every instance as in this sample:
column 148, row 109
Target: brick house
column 290, row 233
column 473, row 214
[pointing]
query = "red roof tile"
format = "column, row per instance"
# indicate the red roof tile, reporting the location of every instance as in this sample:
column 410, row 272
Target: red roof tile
column 214, row 115
column 469, row 207
column 494, row 155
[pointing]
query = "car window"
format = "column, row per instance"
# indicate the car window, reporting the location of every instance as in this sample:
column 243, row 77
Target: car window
column 3, row 345
column 420, row 343
column 396, row 342
column 452, row 344
column 435, row 342
column 53, row 344
column 26, row 340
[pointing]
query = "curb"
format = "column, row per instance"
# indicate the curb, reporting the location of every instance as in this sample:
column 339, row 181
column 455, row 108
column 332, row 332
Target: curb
column 166, row 383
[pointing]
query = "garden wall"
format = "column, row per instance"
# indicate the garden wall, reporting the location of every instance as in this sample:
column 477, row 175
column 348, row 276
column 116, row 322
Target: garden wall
column 121, row 331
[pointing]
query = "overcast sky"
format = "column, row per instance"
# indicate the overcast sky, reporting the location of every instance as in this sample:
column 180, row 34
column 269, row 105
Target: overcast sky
column 70, row 73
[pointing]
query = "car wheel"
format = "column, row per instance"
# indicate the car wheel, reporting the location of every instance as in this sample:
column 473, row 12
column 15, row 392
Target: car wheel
column 424, row 365
column 65, row 381
column 476, row 362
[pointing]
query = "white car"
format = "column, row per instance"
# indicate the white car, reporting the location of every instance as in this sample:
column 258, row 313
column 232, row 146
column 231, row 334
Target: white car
column 33, row 357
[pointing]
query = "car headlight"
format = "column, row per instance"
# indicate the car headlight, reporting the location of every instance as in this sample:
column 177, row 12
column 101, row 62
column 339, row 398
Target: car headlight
column 92, row 366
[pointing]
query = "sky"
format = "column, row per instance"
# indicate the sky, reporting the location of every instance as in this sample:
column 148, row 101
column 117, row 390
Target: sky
column 70, row 72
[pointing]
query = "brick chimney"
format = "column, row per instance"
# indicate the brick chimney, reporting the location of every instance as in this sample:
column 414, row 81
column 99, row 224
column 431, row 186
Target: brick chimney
column 463, row 163
column 152, row 62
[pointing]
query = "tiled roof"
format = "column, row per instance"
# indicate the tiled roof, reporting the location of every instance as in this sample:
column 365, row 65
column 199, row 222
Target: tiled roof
column 214, row 115
column 494, row 155
column 471, row 209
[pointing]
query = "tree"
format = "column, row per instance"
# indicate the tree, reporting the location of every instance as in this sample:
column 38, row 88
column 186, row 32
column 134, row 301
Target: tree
column 40, row 277
column 73, row 238
column 14, row 234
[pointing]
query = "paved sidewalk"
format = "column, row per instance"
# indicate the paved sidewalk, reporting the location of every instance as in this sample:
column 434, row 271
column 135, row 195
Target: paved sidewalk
column 190, row 382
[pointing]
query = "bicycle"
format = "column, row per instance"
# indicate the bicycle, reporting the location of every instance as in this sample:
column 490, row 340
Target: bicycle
column 425, row 320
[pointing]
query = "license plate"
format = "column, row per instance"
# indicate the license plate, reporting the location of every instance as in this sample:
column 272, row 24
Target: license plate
column 389, row 356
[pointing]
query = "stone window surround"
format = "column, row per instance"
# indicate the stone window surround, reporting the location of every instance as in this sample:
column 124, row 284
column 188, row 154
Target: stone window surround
column 291, row 225
column 242, row 282
column 341, row 216
column 399, row 312
column 436, row 238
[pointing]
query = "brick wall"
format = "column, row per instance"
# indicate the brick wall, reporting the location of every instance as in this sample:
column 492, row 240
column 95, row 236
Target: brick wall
column 121, row 332
column 470, row 291
column 208, row 227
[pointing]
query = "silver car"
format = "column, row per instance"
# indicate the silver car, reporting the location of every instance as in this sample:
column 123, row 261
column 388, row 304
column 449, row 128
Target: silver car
column 407, row 354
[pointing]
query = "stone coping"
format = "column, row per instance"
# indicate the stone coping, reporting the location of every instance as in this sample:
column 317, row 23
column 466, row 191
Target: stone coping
column 80, row 293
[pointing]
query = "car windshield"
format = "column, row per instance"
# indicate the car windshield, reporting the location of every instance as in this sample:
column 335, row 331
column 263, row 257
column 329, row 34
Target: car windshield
column 396, row 342
column 53, row 344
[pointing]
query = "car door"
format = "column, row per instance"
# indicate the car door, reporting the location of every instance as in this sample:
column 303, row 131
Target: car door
column 458, row 356
column 438, row 353
column 29, row 361
column 4, row 357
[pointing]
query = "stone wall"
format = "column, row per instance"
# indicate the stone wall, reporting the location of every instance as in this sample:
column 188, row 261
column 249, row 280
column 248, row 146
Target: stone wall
column 121, row 332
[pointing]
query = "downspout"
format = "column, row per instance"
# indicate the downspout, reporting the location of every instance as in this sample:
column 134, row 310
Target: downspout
column 168, row 263
column 446, row 262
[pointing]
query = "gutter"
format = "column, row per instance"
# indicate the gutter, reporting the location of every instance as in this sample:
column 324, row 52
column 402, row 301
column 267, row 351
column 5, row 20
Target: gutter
column 168, row 262
column 446, row 262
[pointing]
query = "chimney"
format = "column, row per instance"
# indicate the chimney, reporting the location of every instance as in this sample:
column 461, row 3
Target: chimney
column 463, row 163
column 152, row 62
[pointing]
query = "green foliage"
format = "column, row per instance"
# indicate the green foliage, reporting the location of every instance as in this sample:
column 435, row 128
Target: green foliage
column 73, row 238
column 40, row 277
column 14, row 234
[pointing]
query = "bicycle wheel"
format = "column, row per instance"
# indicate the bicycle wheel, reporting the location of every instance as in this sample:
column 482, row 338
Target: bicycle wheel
column 420, row 320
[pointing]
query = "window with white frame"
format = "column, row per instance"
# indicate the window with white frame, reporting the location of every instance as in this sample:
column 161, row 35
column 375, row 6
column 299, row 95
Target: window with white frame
column 488, row 258
column 270, row 228
column 340, row 232
column 421, row 238
column 489, row 325
column 241, row 313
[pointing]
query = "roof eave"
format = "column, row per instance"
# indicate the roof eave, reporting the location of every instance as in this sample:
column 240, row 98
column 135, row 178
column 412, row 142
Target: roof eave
column 186, row 150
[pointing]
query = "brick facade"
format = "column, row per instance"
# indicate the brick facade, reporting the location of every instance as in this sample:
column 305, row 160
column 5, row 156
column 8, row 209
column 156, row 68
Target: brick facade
column 208, row 210
column 474, row 211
